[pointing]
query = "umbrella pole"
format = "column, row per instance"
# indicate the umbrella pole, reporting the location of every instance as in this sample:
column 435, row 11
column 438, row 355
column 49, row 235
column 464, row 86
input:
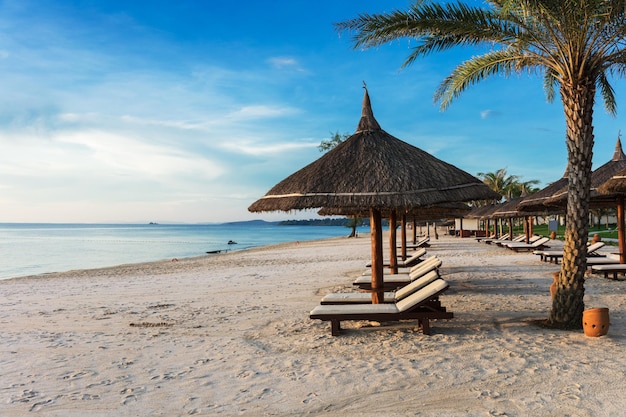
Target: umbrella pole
column 393, row 252
column 620, row 229
column 378, row 291
column 414, row 231
column 403, row 235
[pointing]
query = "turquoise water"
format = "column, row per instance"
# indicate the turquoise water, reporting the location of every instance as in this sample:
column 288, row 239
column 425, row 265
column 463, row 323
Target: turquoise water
column 33, row 249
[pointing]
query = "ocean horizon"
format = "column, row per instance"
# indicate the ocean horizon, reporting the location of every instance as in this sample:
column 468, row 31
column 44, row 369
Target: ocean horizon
column 40, row 248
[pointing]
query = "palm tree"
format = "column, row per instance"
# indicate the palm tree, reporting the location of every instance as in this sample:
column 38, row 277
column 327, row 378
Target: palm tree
column 499, row 181
column 575, row 44
column 509, row 186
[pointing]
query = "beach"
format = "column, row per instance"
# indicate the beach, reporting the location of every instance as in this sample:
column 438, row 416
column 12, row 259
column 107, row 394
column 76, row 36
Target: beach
column 230, row 335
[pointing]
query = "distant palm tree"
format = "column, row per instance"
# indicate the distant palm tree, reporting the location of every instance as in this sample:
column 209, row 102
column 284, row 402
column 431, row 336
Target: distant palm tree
column 575, row 44
column 509, row 186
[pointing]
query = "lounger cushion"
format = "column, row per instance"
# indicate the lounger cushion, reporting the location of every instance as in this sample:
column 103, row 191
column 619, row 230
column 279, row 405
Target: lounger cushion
column 354, row 297
column 423, row 294
column 343, row 309
column 397, row 278
column 609, row 267
column 416, row 285
column 425, row 265
column 390, row 297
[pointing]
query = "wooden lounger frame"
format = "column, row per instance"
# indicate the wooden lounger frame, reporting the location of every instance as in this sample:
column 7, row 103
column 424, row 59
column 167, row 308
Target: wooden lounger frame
column 423, row 312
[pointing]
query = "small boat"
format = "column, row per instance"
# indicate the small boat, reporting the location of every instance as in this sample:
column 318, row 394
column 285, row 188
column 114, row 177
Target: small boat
column 214, row 251
column 232, row 242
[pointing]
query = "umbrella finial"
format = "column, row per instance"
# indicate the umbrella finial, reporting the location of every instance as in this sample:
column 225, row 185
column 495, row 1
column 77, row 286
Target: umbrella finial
column 367, row 122
column 619, row 153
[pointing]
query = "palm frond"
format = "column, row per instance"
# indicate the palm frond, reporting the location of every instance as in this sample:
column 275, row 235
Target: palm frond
column 474, row 70
column 549, row 84
column 608, row 94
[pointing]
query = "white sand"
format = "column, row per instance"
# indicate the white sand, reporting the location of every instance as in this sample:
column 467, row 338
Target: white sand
column 230, row 335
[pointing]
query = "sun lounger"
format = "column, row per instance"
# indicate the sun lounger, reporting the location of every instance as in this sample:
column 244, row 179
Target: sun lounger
column 390, row 297
column 414, row 307
column 407, row 270
column 393, row 281
column 521, row 239
column 537, row 244
column 601, row 260
column 503, row 237
column 423, row 242
column 555, row 255
column 479, row 238
column 412, row 260
column 614, row 269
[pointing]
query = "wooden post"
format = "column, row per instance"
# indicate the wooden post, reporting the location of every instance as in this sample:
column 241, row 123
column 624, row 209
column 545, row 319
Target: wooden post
column 393, row 241
column 461, row 226
column 414, row 231
column 510, row 228
column 376, row 229
column 403, row 235
column 620, row 229
column 526, row 229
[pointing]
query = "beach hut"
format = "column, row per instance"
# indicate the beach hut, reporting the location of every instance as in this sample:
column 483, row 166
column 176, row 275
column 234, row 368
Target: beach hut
column 597, row 199
column 616, row 186
column 375, row 171
column 536, row 202
column 598, row 177
column 482, row 213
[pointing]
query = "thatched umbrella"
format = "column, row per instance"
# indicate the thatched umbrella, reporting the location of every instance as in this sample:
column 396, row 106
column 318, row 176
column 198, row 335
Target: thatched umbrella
column 616, row 186
column 372, row 169
column 483, row 213
column 536, row 202
column 599, row 177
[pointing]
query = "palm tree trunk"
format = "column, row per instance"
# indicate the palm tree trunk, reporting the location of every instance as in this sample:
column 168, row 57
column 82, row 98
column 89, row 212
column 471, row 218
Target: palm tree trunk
column 568, row 305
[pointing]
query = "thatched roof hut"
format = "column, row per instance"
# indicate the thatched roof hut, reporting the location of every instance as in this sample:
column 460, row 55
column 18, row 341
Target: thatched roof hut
column 373, row 170
column 598, row 177
column 482, row 212
column 615, row 188
column 536, row 202
column 614, row 185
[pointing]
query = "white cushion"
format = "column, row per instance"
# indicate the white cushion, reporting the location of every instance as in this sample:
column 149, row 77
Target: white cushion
column 421, row 295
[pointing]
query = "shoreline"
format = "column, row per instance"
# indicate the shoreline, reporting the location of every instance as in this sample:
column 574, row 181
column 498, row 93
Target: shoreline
column 160, row 262
column 230, row 335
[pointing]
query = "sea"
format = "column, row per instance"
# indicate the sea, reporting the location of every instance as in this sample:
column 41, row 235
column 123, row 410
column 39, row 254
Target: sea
column 35, row 249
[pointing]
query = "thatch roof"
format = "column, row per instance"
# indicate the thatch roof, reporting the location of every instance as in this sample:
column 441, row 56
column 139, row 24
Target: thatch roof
column 536, row 202
column 372, row 169
column 508, row 209
column 482, row 212
column 598, row 178
column 614, row 185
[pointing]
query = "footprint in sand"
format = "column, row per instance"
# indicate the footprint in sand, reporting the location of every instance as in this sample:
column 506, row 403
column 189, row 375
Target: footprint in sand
column 39, row 405
column 129, row 399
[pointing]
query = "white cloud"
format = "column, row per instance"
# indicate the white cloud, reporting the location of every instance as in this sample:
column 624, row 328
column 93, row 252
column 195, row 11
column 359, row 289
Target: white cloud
column 283, row 62
column 273, row 148
column 487, row 114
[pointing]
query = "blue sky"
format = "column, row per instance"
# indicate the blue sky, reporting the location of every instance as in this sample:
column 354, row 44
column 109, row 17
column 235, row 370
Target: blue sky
column 189, row 111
